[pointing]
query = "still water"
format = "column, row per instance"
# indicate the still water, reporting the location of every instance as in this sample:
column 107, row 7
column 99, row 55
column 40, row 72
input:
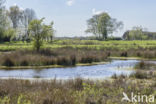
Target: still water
column 117, row 67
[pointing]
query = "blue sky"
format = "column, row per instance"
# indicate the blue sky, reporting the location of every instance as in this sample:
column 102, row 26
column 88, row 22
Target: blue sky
column 70, row 16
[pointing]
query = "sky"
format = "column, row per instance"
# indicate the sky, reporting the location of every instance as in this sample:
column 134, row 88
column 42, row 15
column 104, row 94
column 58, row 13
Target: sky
column 70, row 16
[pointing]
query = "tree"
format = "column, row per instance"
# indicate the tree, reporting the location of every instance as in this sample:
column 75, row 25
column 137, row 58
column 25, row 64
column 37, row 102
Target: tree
column 28, row 16
column 7, row 33
column 15, row 15
column 51, row 32
column 2, row 14
column 2, row 19
column 102, row 25
column 137, row 33
column 39, row 32
column 10, row 34
column 93, row 25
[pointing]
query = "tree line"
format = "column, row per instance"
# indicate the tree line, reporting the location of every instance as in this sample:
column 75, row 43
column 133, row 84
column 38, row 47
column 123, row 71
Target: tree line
column 16, row 24
column 139, row 33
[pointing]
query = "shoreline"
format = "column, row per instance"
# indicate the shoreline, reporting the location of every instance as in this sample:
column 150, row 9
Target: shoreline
column 79, row 64
column 131, row 58
column 50, row 66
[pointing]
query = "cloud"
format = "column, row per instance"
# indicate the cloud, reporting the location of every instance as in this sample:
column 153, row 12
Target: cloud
column 70, row 2
column 14, row 4
column 94, row 12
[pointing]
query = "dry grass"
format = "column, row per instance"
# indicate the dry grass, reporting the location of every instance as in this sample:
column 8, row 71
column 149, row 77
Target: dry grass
column 76, row 91
column 62, row 56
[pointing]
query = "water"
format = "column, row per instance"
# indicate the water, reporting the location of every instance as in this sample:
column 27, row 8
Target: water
column 117, row 67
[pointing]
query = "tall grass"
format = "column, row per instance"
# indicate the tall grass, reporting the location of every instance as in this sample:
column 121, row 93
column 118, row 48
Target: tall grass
column 62, row 56
column 145, row 65
column 76, row 91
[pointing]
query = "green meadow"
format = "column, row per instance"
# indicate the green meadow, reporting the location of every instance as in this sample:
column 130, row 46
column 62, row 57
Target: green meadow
column 92, row 44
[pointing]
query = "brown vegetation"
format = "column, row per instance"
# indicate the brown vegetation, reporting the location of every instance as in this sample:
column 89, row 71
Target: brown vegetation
column 76, row 91
column 63, row 56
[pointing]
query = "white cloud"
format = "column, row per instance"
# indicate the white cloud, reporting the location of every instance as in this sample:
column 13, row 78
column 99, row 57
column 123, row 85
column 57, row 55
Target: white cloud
column 70, row 2
column 14, row 4
column 94, row 12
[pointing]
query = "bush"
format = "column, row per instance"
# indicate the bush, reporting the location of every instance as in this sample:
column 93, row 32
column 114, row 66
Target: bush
column 140, row 75
column 64, row 61
column 87, row 59
column 73, row 60
column 141, row 65
column 8, row 62
column 124, row 54
column 24, row 63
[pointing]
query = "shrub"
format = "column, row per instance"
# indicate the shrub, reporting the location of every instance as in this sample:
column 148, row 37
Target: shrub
column 114, row 76
column 140, row 65
column 139, row 54
column 73, row 60
column 143, row 65
column 140, row 75
column 124, row 54
column 8, row 62
column 64, row 61
column 24, row 63
column 87, row 59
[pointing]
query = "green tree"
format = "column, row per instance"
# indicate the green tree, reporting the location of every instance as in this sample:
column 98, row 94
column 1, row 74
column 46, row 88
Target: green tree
column 137, row 33
column 51, row 32
column 15, row 15
column 2, row 19
column 27, row 17
column 102, row 24
column 39, row 32
column 10, row 34
column 93, row 26
column 6, row 31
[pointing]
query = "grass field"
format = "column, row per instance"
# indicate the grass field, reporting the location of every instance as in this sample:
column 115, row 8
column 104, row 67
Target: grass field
column 93, row 44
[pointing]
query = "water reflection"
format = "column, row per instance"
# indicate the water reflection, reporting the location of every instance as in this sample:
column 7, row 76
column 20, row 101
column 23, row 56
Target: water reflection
column 97, row 71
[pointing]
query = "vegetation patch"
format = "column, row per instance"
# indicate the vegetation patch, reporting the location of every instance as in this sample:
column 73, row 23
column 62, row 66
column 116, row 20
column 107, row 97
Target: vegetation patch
column 62, row 56
column 76, row 91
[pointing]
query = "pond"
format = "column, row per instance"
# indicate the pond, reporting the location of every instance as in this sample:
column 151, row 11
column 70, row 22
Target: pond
column 117, row 67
